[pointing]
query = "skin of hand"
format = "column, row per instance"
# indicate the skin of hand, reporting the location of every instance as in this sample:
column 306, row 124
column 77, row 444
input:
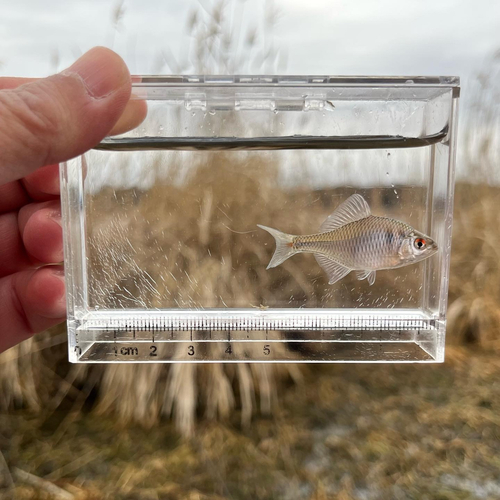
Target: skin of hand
column 44, row 122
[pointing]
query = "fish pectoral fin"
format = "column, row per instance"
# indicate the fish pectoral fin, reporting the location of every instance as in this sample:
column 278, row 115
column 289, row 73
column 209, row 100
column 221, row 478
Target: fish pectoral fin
column 353, row 209
column 332, row 268
column 369, row 275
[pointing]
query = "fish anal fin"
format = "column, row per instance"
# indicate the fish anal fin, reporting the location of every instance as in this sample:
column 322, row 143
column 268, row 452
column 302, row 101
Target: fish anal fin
column 332, row 268
column 369, row 275
column 353, row 209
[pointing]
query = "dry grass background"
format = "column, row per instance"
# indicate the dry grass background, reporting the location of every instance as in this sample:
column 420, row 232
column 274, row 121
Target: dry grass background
column 335, row 432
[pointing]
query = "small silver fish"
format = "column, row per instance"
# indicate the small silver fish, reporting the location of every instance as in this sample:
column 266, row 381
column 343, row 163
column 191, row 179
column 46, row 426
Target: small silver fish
column 352, row 239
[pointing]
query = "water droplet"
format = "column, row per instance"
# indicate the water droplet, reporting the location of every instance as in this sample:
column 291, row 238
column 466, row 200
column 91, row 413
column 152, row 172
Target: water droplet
column 275, row 111
column 193, row 113
column 160, row 128
column 212, row 112
column 387, row 173
column 96, row 308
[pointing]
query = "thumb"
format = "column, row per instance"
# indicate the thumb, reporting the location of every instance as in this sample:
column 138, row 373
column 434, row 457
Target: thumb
column 57, row 118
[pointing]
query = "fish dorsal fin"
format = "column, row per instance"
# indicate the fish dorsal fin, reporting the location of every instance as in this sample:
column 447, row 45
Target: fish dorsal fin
column 369, row 275
column 332, row 268
column 353, row 209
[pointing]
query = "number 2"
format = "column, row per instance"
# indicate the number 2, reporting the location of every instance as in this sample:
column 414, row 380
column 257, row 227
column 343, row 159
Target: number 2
column 153, row 349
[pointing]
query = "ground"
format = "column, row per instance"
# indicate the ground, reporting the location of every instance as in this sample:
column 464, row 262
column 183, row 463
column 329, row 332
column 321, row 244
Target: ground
column 347, row 432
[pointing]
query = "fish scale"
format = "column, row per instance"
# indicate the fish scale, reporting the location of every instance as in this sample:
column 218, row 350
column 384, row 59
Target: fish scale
column 369, row 243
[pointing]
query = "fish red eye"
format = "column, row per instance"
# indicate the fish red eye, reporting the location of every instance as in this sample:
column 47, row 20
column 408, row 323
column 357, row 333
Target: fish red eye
column 420, row 243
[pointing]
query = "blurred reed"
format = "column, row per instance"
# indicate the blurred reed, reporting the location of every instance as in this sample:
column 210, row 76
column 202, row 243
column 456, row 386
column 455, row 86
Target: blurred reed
column 474, row 310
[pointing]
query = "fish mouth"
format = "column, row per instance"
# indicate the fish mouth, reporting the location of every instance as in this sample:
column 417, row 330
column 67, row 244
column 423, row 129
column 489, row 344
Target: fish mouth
column 432, row 248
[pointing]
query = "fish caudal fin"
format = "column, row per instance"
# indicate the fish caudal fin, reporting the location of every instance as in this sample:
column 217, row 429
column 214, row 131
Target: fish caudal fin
column 284, row 246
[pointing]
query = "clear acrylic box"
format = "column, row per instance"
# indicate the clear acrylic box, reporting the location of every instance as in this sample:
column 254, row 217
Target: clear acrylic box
column 164, row 259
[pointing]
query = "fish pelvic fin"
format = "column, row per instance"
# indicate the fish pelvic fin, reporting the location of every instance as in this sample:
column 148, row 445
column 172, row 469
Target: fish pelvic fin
column 284, row 246
column 369, row 275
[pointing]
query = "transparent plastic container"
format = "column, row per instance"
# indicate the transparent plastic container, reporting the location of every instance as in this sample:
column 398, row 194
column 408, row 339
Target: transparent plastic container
column 165, row 262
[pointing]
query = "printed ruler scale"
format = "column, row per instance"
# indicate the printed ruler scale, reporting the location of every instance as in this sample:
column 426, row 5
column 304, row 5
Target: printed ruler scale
column 263, row 337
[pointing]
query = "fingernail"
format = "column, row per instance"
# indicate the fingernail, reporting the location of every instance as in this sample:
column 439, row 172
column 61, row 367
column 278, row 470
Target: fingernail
column 59, row 308
column 102, row 70
column 55, row 215
column 58, row 271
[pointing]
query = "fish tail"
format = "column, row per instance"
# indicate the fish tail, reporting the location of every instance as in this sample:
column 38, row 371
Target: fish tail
column 284, row 246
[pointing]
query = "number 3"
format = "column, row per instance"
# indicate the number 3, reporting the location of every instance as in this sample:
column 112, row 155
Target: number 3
column 191, row 350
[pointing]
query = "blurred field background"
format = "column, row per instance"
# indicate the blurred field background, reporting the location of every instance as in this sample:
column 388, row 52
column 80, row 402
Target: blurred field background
column 273, row 431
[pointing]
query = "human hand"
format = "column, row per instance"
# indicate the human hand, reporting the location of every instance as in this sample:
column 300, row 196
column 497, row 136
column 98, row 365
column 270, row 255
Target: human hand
column 44, row 122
